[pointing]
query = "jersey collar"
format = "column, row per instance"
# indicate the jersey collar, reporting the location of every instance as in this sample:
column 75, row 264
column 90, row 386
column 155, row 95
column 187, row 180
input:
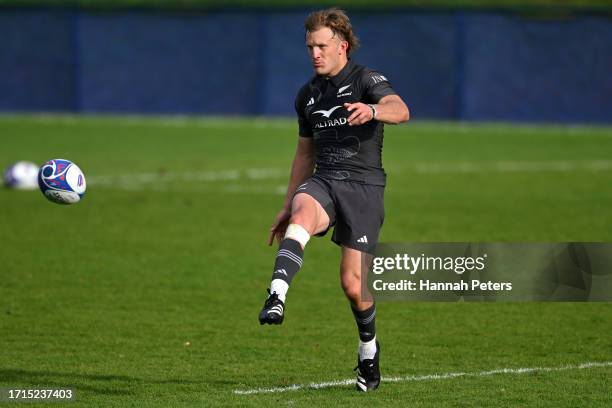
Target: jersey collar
column 343, row 74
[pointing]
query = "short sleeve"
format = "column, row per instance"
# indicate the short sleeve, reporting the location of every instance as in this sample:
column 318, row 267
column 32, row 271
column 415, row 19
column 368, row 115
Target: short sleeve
column 376, row 86
column 304, row 128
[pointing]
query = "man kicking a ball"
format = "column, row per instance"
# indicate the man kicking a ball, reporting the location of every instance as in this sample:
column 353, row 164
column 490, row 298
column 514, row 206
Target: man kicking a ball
column 337, row 177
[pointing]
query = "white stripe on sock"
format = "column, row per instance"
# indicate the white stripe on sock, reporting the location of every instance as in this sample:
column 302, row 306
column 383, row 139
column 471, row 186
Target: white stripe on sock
column 290, row 255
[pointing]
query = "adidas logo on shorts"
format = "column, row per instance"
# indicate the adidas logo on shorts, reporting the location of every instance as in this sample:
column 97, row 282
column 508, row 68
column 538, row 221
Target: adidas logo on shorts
column 363, row 240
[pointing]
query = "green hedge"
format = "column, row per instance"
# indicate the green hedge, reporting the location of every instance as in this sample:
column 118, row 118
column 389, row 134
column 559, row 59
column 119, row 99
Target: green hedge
column 288, row 4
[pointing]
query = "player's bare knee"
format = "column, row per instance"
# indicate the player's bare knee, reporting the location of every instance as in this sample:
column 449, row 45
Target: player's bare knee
column 308, row 213
column 309, row 223
column 353, row 294
column 351, row 284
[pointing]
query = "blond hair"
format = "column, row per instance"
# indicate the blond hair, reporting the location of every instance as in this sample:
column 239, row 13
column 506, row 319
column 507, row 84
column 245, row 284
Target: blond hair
column 337, row 21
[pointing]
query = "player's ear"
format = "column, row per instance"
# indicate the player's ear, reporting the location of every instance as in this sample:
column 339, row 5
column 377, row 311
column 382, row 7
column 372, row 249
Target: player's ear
column 344, row 46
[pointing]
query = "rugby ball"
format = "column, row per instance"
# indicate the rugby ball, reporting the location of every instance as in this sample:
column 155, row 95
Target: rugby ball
column 21, row 176
column 62, row 181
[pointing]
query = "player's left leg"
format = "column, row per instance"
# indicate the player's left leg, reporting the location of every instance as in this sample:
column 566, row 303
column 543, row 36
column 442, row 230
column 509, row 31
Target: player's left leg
column 361, row 214
column 353, row 272
column 311, row 214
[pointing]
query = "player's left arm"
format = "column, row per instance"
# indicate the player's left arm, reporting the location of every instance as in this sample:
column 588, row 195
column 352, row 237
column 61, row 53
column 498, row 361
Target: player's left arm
column 390, row 109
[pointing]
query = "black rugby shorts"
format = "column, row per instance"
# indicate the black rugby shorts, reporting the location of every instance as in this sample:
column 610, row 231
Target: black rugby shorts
column 355, row 210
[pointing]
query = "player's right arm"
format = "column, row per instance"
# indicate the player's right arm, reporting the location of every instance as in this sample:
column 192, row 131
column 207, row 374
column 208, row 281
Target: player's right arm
column 301, row 169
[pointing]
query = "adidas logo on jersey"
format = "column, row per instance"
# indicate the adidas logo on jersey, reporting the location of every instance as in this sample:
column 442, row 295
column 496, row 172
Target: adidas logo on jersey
column 363, row 240
column 378, row 78
column 310, row 102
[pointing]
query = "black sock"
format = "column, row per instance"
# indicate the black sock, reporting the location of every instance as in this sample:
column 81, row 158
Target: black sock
column 366, row 322
column 288, row 260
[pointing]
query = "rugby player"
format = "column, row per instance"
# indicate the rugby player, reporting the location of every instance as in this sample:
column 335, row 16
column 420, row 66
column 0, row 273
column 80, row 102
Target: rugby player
column 337, row 179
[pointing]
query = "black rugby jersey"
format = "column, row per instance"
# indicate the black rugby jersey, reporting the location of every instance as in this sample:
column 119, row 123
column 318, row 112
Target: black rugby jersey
column 343, row 152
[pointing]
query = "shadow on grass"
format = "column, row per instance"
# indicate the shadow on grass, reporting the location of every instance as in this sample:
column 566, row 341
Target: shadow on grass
column 103, row 384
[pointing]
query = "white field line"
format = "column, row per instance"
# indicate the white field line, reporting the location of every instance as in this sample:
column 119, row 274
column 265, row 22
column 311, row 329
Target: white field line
column 170, row 121
column 283, row 122
column 231, row 188
column 161, row 180
column 194, row 181
column 428, row 377
column 510, row 166
column 188, row 176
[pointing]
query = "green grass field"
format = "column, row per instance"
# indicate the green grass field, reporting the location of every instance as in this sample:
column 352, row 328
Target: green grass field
column 147, row 292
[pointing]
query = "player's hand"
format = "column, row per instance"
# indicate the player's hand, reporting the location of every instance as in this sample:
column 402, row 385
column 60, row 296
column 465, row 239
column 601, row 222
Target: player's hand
column 280, row 226
column 361, row 113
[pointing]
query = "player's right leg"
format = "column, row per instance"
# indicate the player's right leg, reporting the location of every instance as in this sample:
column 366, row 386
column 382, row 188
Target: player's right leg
column 352, row 266
column 308, row 217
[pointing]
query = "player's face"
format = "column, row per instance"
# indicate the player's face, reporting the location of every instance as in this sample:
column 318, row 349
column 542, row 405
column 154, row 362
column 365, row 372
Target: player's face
column 327, row 51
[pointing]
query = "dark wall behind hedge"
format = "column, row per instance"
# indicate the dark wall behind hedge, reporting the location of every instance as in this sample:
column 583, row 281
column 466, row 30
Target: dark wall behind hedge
column 456, row 65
